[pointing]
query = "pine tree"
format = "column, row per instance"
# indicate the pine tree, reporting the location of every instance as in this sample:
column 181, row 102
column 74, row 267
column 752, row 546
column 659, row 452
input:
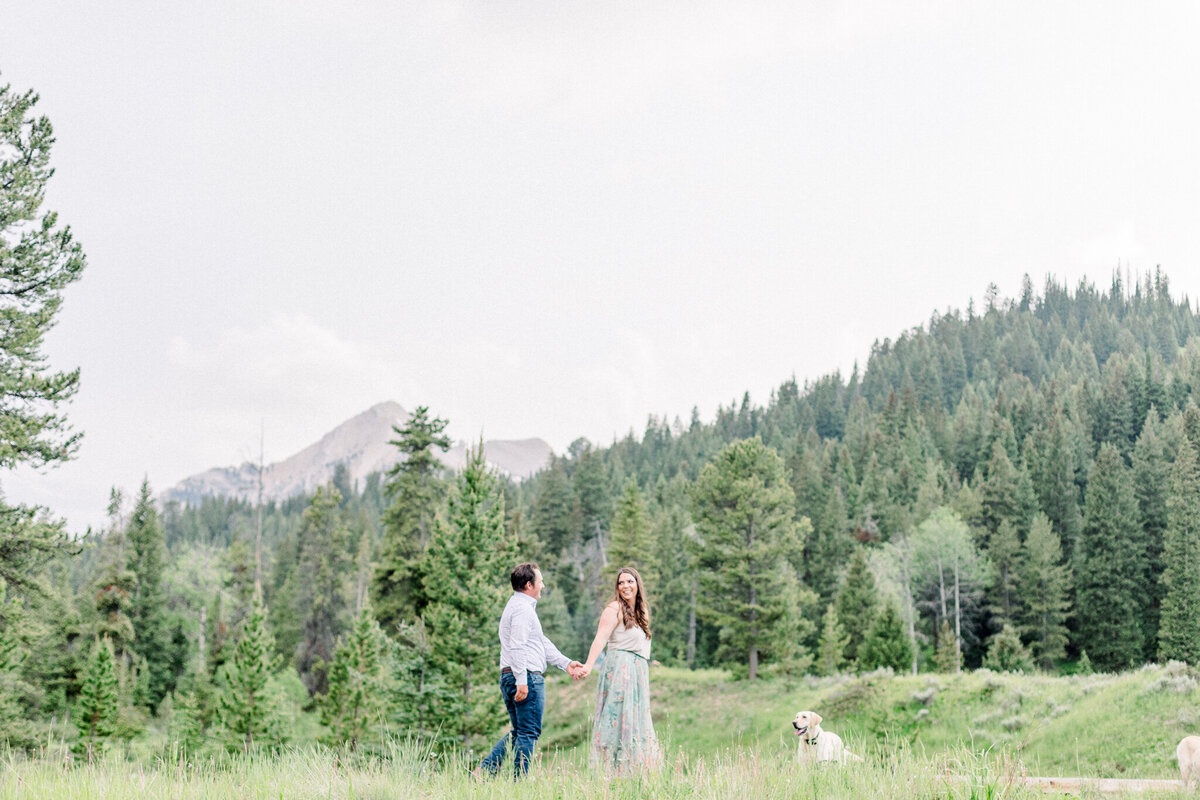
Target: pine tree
column 420, row 683
column 947, row 657
column 357, row 683
column 744, row 513
column 1007, row 653
column 674, row 593
column 1005, row 556
column 886, row 643
column 59, row 647
column 555, row 616
column 286, row 624
column 790, row 658
column 321, row 600
column 147, row 611
column 831, row 650
column 195, row 692
column 1179, row 626
column 629, row 545
column 415, row 488
column 114, row 587
column 857, row 601
column 38, row 259
column 16, row 730
column 591, row 489
column 552, row 518
column 1045, row 583
column 895, row 568
column 873, row 500
column 1152, row 485
column 98, row 706
column 247, row 704
column 465, row 570
column 829, row 545
column 1007, row 494
column 185, row 726
column 1110, row 571
column 1057, row 490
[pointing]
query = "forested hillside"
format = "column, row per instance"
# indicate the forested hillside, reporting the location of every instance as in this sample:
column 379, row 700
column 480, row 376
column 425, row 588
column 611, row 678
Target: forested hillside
column 1050, row 425
column 1014, row 485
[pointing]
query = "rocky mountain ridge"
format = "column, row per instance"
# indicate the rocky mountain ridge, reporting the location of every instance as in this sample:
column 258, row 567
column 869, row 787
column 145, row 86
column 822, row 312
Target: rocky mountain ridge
column 361, row 443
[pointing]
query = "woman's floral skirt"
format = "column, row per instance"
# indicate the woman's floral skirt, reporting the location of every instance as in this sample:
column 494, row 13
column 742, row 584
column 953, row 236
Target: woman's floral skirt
column 623, row 738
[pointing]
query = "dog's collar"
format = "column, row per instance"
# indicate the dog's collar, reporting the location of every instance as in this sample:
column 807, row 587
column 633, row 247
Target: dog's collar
column 813, row 740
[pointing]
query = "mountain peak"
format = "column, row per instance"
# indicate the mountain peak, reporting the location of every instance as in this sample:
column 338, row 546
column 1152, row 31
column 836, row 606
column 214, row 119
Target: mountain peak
column 361, row 443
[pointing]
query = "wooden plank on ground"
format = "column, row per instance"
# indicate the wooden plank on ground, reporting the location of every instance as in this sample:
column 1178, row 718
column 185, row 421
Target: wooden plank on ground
column 1106, row 785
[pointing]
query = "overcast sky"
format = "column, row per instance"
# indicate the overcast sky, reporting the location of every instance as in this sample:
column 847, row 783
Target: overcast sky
column 554, row 219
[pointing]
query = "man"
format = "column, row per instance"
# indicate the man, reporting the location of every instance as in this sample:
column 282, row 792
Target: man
column 524, row 653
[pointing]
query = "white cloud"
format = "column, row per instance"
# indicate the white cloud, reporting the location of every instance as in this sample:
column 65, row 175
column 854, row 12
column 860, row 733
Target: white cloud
column 291, row 375
column 285, row 351
column 608, row 57
column 1117, row 244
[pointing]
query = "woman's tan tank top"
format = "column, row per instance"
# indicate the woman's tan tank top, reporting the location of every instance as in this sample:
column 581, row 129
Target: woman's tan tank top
column 632, row 639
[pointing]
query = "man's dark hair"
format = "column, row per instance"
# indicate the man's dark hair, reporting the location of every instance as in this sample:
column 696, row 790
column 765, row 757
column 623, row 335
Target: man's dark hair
column 522, row 576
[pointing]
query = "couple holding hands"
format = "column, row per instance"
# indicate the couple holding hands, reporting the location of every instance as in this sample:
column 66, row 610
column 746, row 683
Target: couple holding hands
column 623, row 739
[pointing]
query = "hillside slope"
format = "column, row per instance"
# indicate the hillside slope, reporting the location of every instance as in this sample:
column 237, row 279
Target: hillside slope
column 1114, row 726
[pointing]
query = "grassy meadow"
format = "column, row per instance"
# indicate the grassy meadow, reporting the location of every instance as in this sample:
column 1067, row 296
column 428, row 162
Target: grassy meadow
column 928, row 736
column 1116, row 726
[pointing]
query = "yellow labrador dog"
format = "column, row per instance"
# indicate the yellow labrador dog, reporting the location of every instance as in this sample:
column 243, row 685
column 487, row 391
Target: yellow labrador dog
column 818, row 746
column 1188, row 756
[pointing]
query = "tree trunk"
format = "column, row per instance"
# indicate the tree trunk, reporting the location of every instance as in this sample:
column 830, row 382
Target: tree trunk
column 203, row 633
column 909, row 609
column 258, row 537
column 753, row 602
column 467, row 708
column 942, row 585
column 421, row 705
column 691, row 635
column 753, row 635
column 957, row 623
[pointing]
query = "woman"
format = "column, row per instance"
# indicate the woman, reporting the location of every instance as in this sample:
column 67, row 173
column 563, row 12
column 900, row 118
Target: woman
column 623, row 739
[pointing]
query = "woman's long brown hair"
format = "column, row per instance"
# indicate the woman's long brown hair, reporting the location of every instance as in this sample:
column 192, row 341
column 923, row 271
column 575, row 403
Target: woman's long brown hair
column 640, row 615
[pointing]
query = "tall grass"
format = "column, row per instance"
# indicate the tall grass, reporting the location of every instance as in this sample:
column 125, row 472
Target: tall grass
column 407, row 772
column 923, row 737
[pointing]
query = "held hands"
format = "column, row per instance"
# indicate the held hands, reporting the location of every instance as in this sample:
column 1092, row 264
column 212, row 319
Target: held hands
column 578, row 671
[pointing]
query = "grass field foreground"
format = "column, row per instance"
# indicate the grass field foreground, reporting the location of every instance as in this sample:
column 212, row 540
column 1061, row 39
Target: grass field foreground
column 323, row 774
column 925, row 736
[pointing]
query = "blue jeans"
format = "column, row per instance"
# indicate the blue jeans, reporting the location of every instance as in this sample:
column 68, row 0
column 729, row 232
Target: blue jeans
column 526, row 717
